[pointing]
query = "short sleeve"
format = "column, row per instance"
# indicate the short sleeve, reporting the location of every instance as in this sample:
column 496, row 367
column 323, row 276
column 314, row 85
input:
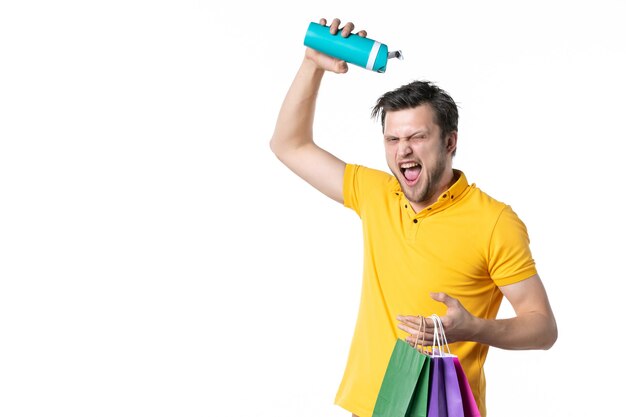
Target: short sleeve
column 510, row 258
column 350, row 188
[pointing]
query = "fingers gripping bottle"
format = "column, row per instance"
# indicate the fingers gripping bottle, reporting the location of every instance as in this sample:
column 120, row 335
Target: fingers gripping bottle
column 355, row 49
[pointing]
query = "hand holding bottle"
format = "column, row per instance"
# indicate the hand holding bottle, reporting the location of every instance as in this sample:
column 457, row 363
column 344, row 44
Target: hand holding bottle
column 327, row 62
column 346, row 47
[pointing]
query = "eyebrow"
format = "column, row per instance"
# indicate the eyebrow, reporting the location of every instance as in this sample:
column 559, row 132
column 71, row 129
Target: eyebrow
column 417, row 132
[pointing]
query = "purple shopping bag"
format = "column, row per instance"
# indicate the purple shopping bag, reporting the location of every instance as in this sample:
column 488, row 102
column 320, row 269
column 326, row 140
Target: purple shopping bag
column 470, row 408
column 437, row 391
column 454, row 400
column 445, row 398
column 450, row 394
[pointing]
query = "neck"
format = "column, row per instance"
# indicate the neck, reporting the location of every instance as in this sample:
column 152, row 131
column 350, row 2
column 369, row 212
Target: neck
column 448, row 179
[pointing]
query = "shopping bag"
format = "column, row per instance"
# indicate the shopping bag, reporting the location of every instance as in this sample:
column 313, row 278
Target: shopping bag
column 402, row 392
column 419, row 402
column 470, row 408
column 446, row 398
column 437, row 391
column 454, row 401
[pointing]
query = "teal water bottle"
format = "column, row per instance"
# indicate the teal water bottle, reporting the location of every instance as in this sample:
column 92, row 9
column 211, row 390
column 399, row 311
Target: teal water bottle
column 357, row 50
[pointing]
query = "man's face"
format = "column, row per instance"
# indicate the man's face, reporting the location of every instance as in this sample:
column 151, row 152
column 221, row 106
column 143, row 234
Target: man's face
column 416, row 154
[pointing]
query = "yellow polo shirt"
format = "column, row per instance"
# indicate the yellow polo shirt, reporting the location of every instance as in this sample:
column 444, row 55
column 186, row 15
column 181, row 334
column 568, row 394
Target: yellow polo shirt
column 466, row 244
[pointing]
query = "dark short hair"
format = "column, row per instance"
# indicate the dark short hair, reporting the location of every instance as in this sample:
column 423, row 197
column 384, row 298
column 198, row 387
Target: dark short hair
column 415, row 94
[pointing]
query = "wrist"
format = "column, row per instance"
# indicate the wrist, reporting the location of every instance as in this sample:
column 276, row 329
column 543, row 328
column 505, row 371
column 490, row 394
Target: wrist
column 310, row 62
column 475, row 329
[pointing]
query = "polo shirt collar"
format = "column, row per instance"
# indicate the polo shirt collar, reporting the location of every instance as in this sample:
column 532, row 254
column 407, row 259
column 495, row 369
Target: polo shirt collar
column 449, row 197
column 452, row 194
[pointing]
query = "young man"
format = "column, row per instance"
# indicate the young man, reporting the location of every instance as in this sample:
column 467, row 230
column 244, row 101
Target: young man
column 434, row 243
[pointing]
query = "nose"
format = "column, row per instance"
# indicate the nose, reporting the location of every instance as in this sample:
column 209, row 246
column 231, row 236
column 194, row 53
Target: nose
column 404, row 148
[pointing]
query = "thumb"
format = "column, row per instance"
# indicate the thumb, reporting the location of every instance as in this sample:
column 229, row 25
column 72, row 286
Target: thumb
column 340, row 67
column 326, row 62
column 442, row 297
column 335, row 65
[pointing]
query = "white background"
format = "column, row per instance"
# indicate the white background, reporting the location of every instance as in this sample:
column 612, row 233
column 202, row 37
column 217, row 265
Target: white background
column 157, row 260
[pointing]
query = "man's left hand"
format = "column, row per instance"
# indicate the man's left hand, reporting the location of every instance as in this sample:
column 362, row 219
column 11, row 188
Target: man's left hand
column 458, row 323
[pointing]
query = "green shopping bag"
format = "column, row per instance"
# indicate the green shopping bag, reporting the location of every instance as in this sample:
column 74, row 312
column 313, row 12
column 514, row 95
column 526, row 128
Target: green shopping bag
column 404, row 390
column 419, row 403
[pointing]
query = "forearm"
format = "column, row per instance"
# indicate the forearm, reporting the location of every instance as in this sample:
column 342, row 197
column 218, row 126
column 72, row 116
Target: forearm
column 532, row 330
column 294, row 127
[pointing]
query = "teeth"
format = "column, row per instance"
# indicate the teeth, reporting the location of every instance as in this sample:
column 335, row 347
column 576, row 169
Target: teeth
column 409, row 165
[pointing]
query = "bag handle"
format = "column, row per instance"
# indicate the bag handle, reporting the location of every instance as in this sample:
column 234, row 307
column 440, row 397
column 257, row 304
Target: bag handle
column 443, row 333
column 439, row 337
column 420, row 329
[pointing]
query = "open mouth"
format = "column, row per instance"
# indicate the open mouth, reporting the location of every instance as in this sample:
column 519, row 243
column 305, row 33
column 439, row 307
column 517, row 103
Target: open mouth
column 411, row 171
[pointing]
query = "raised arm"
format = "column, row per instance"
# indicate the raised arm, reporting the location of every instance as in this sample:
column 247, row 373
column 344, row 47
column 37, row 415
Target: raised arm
column 292, row 141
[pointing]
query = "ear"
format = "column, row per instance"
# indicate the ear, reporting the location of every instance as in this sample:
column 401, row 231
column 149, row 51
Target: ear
column 451, row 142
